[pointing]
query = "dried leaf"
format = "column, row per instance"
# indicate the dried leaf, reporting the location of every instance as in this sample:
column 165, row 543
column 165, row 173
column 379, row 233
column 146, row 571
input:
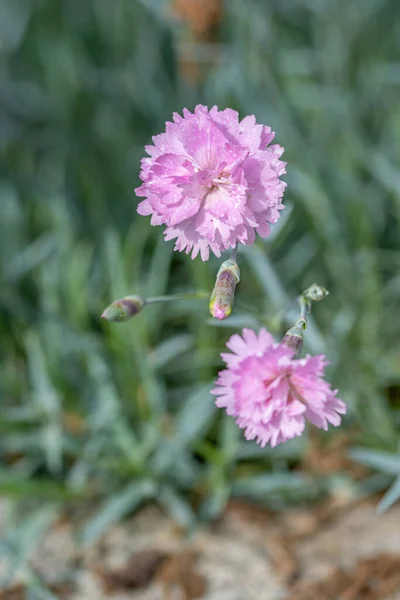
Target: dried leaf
column 370, row 579
column 179, row 571
column 137, row 573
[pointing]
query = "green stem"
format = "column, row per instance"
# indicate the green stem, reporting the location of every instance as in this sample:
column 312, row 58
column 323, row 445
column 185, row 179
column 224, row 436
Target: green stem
column 185, row 296
column 234, row 254
column 305, row 307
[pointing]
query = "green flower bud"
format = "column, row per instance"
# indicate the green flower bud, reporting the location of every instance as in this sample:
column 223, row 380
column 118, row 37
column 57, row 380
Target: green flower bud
column 315, row 292
column 293, row 338
column 123, row 309
column 221, row 299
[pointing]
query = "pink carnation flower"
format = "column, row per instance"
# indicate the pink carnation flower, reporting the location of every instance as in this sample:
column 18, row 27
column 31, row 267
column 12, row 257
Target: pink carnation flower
column 270, row 393
column 212, row 180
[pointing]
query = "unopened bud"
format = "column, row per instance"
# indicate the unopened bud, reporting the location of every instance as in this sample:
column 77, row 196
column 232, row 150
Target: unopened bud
column 123, row 309
column 315, row 292
column 221, row 300
column 294, row 337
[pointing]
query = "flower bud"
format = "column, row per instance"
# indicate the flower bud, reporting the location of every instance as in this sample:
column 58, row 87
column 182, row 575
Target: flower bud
column 294, row 337
column 221, row 300
column 315, row 292
column 123, row 309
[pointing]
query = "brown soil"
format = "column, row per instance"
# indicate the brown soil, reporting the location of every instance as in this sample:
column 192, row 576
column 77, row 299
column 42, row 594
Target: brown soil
column 340, row 550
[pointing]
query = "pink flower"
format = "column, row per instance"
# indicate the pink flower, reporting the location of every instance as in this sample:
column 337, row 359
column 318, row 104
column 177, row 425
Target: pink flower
column 212, row 180
column 270, row 393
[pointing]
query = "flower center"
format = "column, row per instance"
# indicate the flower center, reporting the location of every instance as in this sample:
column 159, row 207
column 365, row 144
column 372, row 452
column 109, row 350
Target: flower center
column 212, row 177
column 205, row 177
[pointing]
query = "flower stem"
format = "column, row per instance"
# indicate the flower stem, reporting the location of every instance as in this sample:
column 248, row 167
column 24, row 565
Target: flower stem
column 305, row 308
column 314, row 293
column 185, row 296
column 293, row 338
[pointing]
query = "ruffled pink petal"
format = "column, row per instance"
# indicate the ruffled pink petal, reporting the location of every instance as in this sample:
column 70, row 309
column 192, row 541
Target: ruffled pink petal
column 212, row 180
column 270, row 393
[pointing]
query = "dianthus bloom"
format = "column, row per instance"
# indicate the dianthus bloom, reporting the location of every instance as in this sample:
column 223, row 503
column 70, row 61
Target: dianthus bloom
column 270, row 393
column 212, row 180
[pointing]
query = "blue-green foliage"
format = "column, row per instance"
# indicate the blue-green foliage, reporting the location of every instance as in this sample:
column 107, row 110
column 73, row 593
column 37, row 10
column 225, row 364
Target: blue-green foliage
column 122, row 413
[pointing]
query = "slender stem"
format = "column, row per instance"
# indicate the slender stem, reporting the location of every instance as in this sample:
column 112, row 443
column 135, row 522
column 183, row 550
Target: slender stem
column 184, row 296
column 305, row 307
column 234, row 254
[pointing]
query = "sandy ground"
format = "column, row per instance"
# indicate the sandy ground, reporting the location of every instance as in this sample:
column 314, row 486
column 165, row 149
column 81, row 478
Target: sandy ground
column 249, row 554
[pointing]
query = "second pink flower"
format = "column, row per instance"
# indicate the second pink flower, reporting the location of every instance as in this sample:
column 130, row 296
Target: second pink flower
column 270, row 393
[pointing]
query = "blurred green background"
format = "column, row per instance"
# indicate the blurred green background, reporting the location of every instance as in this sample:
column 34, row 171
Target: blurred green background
column 114, row 415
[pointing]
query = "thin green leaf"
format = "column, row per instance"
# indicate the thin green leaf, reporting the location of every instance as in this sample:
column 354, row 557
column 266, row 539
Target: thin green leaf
column 391, row 496
column 116, row 507
column 177, row 506
column 259, row 486
column 195, row 415
column 171, row 348
column 381, row 461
